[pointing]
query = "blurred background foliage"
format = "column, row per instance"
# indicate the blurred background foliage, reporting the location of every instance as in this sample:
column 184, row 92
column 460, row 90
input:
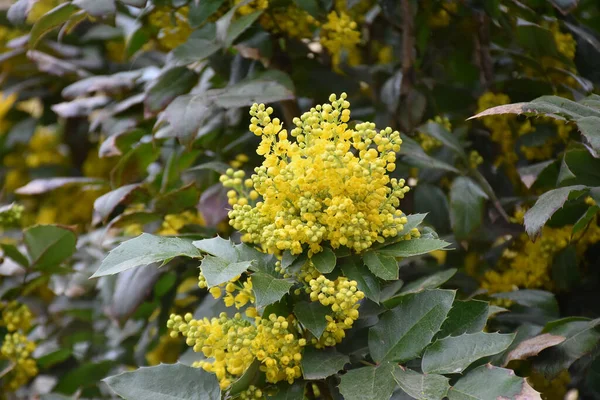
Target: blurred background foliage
column 118, row 116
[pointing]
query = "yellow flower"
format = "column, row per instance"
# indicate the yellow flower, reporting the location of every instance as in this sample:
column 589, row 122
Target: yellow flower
column 340, row 33
column 173, row 26
column 16, row 316
column 17, row 349
column 330, row 184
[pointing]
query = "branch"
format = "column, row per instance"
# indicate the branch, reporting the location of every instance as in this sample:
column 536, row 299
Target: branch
column 482, row 48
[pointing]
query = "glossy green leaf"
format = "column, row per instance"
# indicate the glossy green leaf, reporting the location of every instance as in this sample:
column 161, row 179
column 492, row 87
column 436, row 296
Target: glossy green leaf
column 488, row 382
column 404, row 331
column 452, row 355
column 466, row 206
column 165, row 382
column 48, row 245
column 171, row 83
column 366, row 281
column 49, row 21
column 143, row 250
column 268, row 289
column 382, row 266
column 324, row 261
column 413, row 247
column 368, row 383
column 545, row 206
column 429, row 282
column 465, row 317
column 217, row 270
column 321, row 363
column 421, row 386
column 312, row 316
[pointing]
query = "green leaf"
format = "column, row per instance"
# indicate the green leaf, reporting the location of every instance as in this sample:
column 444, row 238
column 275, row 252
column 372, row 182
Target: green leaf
column 432, row 199
column 166, row 382
column 310, row 6
column 200, row 45
column 268, row 289
column 590, row 130
column 404, row 331
column 422, row 387
column 312, row 316
column 11, row 251
column 530, row 173
column 429, row 282
column 439, row 132
column 97, row 8
column 237, row 27
column 488, row 382
column 268, row 87
column 217, row 270
column 319, row 364
column 324, row 261
column 382, row 266
column 582, row 338
column 565, row 271
column 218, row 247
column 368, row 383
column 170, row 84
column 48, row 245
column 178, row 200
column 286, row 391
column 545, row 206
column 366, row 281
column 53, row 358
column 539, row 299
column 465, row 317
column 49, row 21
column 452, row 355
column 413, row 247
column 585, row 220
column 86, row 374
column 143, row 250
column 537, row 40
column 201, row 10
column 106, row 204
column 249, row 376
column 466, row 206
column 413, row 154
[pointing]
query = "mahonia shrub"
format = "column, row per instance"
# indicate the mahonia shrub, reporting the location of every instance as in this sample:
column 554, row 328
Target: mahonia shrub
column 322, row 234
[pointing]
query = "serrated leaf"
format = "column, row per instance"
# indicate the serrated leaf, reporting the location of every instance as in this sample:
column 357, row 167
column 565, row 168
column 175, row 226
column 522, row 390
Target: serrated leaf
column 453, row 354
column 237, row 27
column 421, row 386
column 268, row 289
column 533, row 346
column 465, row 317
column 49, row 21
column 171, row 83
column 48, row 245
column 312, row 316
column 582, row 337
column 143, row 250
column 105, row 204
column 382, row 266
column 429, row 282
column 319, row 364
column 488, row 382
column 218, row 247
column 413, row 247
column 368, row 383
column 165, row 382
column 217, row 270
column 366, row 281
column 545, row 206
column 324, row 261
column 201, row 10
column 404, row 331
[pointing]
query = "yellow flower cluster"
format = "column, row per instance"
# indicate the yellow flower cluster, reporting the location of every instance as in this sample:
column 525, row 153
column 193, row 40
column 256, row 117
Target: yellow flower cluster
column 173, row 223
column 11, row 216
column 233, row 344
column 251, row 393
column 172, row 25
column 16, row 316
column 330, row 184
column 45, row 148
column 555, row 389
column 527, row 264
column 441, row 17
column 167, row 351
column 15, row 347
column 429, row 143
column 340, row 34
column 343, row 296
column 243, row 296
column 475, row 159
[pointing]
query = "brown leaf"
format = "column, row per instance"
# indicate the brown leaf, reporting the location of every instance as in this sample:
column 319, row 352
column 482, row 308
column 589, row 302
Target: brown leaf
column 532, row 347
column 517, row 108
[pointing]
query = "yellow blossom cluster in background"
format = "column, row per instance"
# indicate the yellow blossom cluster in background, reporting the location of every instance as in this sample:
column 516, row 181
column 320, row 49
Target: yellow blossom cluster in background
column 338, row 35
column 232, row 344
column 16, row 348
column 316, row 189
column 173, row 26
column 429, row 143
column 528, row 264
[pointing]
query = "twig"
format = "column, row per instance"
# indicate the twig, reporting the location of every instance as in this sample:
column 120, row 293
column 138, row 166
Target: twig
column 482, row 48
